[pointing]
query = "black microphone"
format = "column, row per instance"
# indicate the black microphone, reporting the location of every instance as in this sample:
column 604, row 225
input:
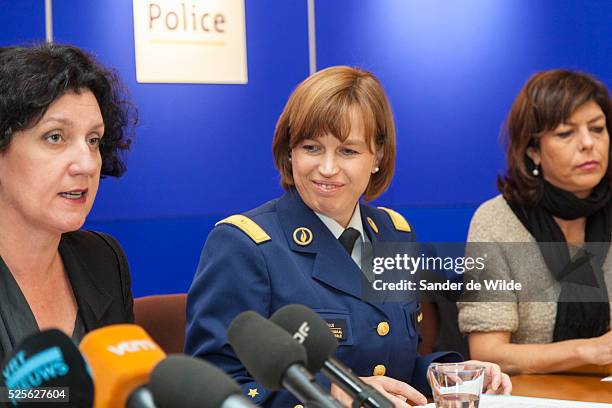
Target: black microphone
column 309, row 329
column 275, row 360
column 186, row 382
column 141, row 398
column 48, row 359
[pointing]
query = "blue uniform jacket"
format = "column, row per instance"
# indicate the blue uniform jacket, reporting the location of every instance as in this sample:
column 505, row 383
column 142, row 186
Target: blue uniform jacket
column 236, row 273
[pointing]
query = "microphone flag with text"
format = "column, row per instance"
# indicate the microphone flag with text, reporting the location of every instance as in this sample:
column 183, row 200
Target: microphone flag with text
column 48, row 359
column 121, row 358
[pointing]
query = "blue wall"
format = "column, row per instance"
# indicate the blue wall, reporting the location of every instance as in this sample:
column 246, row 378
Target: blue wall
column 202, row 152
column 21, row 21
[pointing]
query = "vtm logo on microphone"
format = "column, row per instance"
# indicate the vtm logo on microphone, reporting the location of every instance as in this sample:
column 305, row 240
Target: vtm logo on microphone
column 132, row 346
column 302, row 333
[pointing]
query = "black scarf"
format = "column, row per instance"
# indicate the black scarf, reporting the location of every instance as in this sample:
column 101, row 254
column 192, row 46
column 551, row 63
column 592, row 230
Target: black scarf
column 582, row 278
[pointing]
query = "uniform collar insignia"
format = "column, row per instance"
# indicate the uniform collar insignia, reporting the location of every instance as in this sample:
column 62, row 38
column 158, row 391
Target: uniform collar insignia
column 302, row 236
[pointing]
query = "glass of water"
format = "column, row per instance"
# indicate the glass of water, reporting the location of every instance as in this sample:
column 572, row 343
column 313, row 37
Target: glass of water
column 456, row 385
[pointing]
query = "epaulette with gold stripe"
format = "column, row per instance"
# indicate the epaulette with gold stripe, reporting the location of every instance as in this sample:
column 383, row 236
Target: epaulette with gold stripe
column 398, row 220
column 248, row 226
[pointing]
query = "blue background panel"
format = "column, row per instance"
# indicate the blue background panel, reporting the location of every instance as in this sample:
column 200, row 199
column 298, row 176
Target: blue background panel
column 21, row 21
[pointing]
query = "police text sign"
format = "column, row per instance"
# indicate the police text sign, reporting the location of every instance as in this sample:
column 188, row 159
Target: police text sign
column 190, row 41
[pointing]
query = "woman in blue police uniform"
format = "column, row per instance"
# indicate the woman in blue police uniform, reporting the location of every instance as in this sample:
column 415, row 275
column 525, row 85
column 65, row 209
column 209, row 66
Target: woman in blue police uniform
column 334, row 144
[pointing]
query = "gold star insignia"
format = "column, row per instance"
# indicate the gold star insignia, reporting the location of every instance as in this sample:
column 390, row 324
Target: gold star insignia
column 253, row 392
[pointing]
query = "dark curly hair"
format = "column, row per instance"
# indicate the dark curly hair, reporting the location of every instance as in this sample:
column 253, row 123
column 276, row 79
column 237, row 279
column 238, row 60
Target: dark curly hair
column 548, row 99
column 31, row 78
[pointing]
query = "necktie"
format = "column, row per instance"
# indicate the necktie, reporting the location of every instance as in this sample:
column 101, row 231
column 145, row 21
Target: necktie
column 348, row 238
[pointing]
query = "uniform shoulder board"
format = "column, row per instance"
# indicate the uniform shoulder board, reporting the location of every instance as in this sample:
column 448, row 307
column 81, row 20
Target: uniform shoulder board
column 248, row 226
column 398, row 220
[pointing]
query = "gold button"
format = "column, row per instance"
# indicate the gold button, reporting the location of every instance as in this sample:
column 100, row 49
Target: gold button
column 383, row 328
column 379, row 370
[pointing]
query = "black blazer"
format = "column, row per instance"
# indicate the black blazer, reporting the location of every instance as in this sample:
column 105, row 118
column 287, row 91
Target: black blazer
column 100, row 278
column 99, row 274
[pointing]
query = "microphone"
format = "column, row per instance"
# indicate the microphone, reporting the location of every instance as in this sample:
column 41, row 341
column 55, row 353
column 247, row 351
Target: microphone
column 121, row 358
column 49, row 359
column 186, row 382
column 275, row 360
column 309, row 329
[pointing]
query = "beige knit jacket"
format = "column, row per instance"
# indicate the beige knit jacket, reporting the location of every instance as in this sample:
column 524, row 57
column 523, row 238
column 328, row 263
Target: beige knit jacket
column 528, row 322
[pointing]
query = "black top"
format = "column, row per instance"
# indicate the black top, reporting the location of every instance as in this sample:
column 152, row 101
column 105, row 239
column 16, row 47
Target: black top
column 16, row 318
column 99, row 275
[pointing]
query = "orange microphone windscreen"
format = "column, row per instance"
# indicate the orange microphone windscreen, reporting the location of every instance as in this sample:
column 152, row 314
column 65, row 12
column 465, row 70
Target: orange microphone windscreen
column 120, row 357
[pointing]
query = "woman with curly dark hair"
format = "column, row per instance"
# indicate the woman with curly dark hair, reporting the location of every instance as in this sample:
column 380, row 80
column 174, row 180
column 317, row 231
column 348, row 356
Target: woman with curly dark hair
column 65, row 122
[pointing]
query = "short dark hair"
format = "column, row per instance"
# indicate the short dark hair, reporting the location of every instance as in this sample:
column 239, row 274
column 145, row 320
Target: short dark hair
column 547, row 100
column 31, row 78
column 322, row 104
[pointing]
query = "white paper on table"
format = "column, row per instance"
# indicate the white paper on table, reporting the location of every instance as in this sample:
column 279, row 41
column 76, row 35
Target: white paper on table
column 508, row 401
column 607, row 378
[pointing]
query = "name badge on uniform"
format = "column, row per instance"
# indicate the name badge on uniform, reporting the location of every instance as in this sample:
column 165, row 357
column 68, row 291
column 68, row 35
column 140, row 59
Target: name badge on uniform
column 338, row 327
column 339, row 323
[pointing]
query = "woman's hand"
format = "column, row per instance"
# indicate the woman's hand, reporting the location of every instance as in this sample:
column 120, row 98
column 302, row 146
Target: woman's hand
column 398, row 392
column 597, row 350
column 495, row 382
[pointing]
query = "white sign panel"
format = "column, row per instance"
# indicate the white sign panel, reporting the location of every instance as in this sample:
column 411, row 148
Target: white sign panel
column 190, row 41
